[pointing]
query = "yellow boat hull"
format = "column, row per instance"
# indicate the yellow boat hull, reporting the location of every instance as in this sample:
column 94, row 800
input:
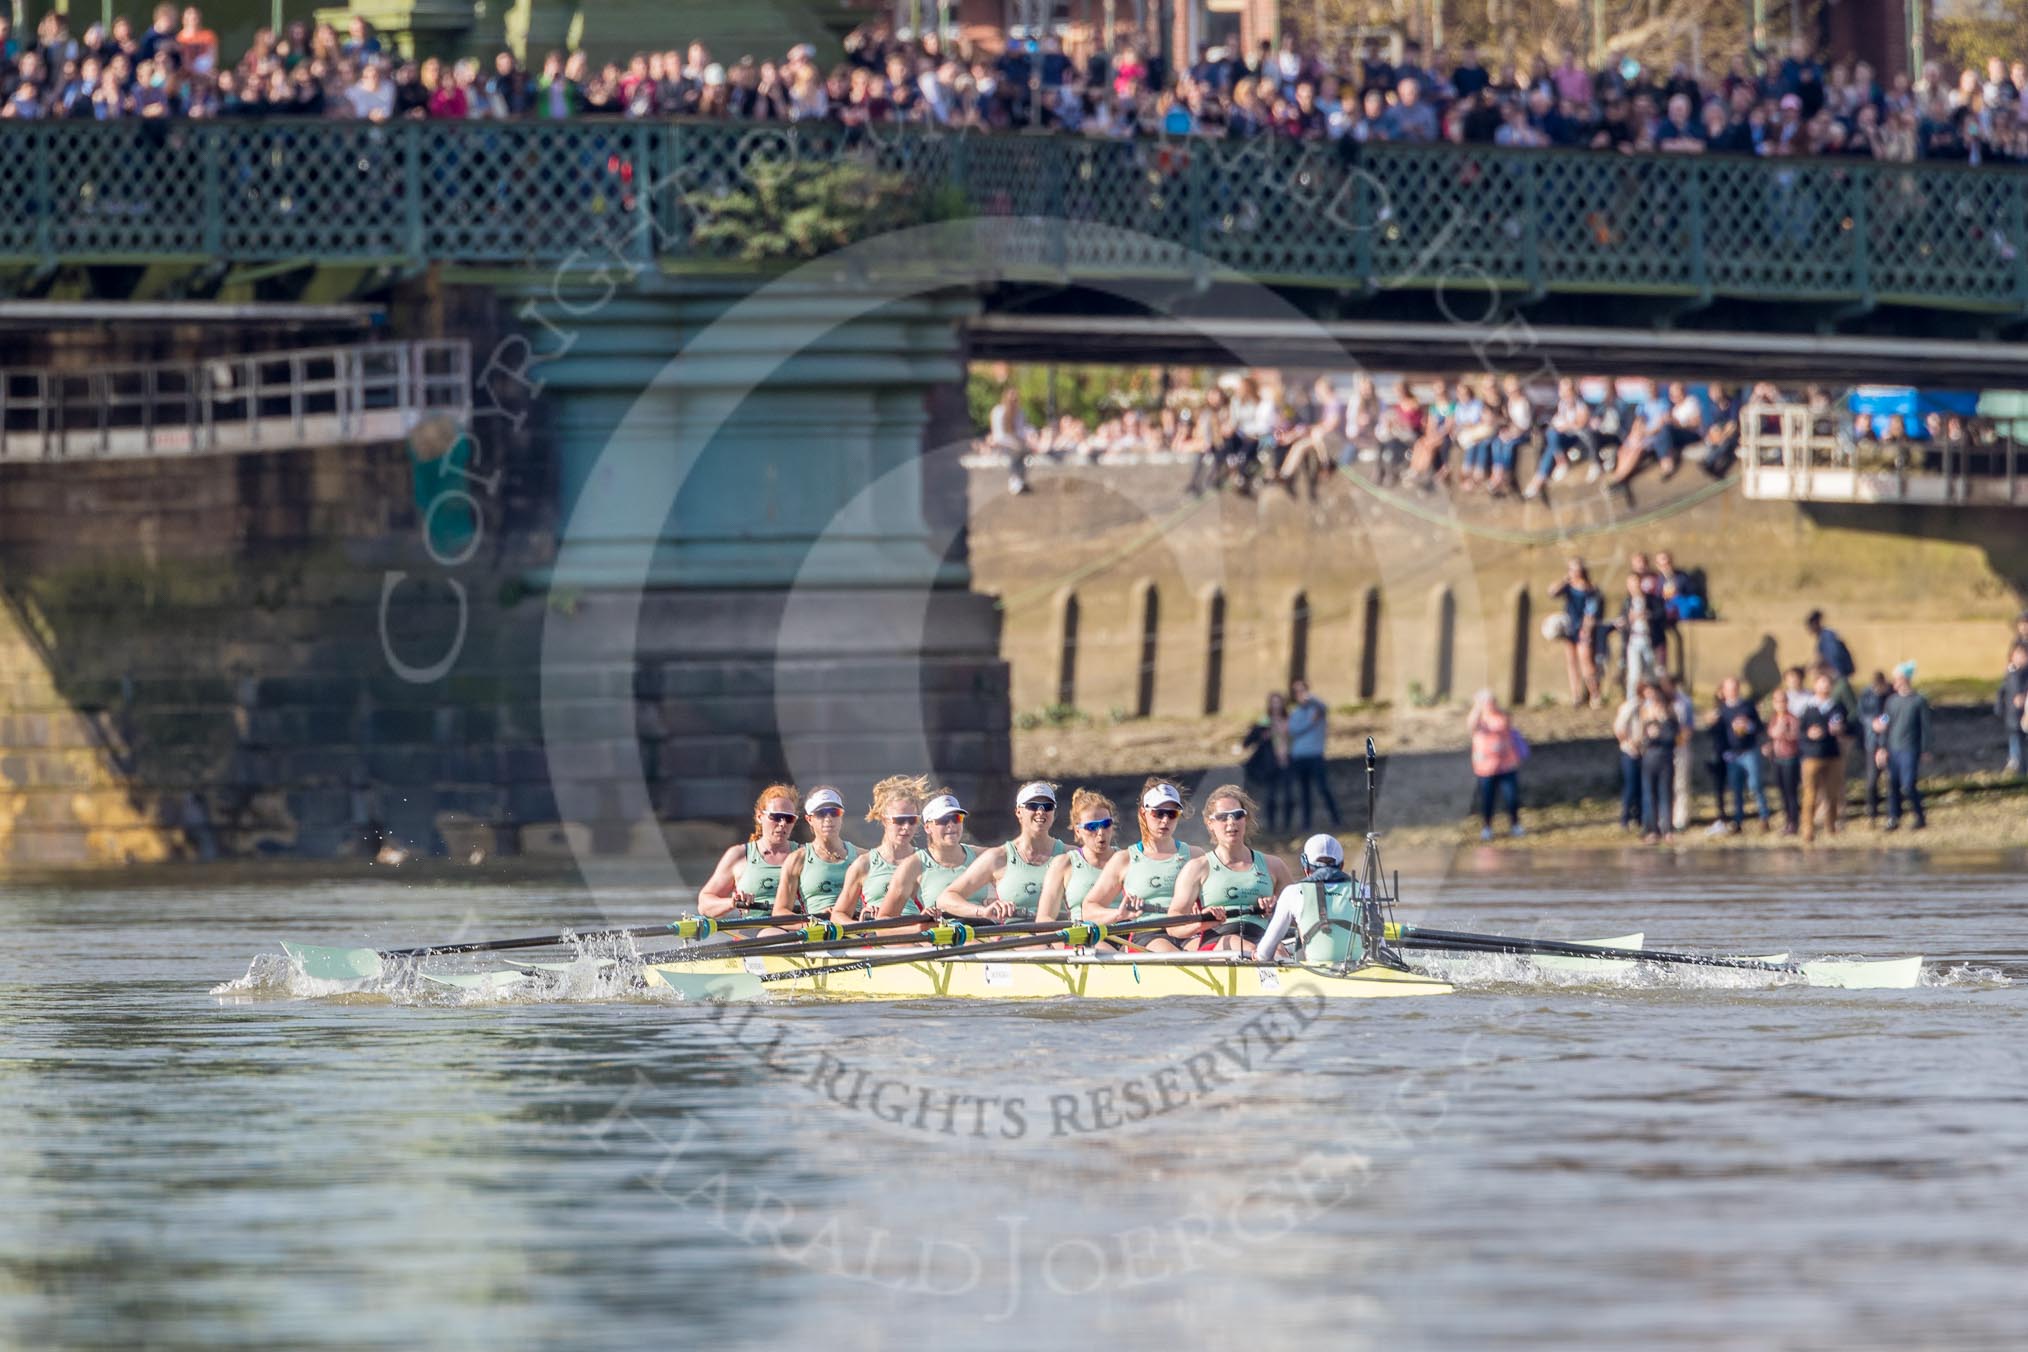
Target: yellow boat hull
column 1046, row 975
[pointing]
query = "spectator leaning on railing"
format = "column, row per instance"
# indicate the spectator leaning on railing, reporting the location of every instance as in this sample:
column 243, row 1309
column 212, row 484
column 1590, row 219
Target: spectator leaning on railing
column 1295, row 92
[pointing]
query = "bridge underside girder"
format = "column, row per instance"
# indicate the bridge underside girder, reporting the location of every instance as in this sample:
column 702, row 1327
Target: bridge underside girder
column 1436, row 331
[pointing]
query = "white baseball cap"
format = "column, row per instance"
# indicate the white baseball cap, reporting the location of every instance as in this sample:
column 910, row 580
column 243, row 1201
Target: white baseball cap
column 1033, row 790
column 823, row 798
column 943, row 805
column 1161, row 794
column 1317, row 849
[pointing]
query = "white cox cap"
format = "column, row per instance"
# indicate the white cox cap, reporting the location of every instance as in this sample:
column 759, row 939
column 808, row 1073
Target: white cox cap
column 1317, row 849
column 823, row 798
column 1162, row 794
column 1033, row 790
column 943, row 805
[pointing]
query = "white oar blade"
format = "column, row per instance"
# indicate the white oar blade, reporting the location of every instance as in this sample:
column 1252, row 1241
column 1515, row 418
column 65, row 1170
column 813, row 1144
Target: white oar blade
column 713, row 988
column 483, row 983
column 1889, row 974
column 334, row 964
column 1552, row 962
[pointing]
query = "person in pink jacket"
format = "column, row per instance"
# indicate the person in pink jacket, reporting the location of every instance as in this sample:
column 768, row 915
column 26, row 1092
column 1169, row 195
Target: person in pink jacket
column 1497, row 753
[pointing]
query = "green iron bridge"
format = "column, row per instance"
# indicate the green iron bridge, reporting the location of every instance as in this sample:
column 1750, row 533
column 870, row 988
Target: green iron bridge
column 1384, row 235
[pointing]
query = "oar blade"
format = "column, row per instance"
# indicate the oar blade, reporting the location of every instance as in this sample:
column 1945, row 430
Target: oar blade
column 335, row 964
column 713, row 988
column 1599, row 966
column 1887, row 974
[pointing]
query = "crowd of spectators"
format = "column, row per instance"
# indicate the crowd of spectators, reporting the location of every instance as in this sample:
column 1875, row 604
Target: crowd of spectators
column 1797, row 105
column 1784, row 760
column 1500, row 436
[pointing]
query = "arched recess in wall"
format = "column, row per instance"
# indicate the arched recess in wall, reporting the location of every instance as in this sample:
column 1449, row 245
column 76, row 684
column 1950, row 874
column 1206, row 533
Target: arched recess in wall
column 1214, row 649
column 1299, row 638
column 1443, row 606
column 1524, row 632
column 1066, row 659
column 1151, row 632
column 1369, row 644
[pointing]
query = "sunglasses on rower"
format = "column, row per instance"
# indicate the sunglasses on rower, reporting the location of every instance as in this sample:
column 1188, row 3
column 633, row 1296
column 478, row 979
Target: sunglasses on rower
column 1164, row 814
column 828, row 812
column 948, row 819
column 1102, row 824
column 1039, row 805
column 1237, row 814
column 779, row 818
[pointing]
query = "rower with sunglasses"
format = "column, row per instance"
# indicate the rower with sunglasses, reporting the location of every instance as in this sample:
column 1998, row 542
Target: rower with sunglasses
column 1142, row 880
column 869, row 881
column 814, row 877
column 752, row 873
column 931, row 870
column 1072, row 874
column 1231, row 880
column 1016, row 870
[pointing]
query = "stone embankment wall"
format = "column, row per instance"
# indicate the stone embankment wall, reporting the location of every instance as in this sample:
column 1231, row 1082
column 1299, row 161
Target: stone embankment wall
column 1123, row 595
column 205, row 657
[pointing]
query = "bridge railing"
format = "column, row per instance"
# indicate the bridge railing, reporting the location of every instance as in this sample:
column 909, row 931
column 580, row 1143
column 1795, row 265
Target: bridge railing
column 1376, row 216
column 1795, row 452
column 282, row 400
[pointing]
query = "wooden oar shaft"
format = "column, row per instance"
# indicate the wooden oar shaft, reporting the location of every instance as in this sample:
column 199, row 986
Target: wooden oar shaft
column 1415, row 936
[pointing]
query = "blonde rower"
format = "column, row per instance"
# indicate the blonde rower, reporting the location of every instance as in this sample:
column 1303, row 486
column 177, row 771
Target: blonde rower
column 752, row 872
column 931, row 870
column 897, row 806
column 1228, row 879
column 1018, row 869
column 1141, row 880
column 815, row 875
column 1072, row 874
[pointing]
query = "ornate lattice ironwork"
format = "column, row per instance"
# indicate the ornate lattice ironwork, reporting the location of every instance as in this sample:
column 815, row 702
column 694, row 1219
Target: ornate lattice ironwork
column 1374, row 217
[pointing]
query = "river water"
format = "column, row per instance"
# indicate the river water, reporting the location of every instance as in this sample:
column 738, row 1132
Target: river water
column 1556, row 1162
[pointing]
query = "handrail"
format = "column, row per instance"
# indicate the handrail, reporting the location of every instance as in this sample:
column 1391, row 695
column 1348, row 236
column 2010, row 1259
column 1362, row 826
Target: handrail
column 254, row 401
column 601, row 191
column 1802, row 453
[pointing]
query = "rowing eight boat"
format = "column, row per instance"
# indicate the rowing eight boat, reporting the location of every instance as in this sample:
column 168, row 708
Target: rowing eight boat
column 1041, row 975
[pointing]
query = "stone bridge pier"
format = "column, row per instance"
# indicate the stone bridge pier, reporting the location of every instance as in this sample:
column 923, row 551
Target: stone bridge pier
column 762, row 522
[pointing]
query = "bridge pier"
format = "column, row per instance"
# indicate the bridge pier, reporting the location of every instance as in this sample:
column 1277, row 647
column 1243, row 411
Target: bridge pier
column 761, row 517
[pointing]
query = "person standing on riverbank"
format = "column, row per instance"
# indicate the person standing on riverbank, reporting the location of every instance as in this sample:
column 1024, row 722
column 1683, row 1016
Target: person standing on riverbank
column 1872, row 704
column 1823, row 758
column 1784, row 743
column 1497, row 752
column 1831, row 649
column 1639, row 626
column 1627, row 732
column 1267, row 760
column 1583, row 612
column 2012, row 706
column 1736, row 736
column 1660, row 735
column 1904, row 728
column 1678, row 699
column 1308, row 730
